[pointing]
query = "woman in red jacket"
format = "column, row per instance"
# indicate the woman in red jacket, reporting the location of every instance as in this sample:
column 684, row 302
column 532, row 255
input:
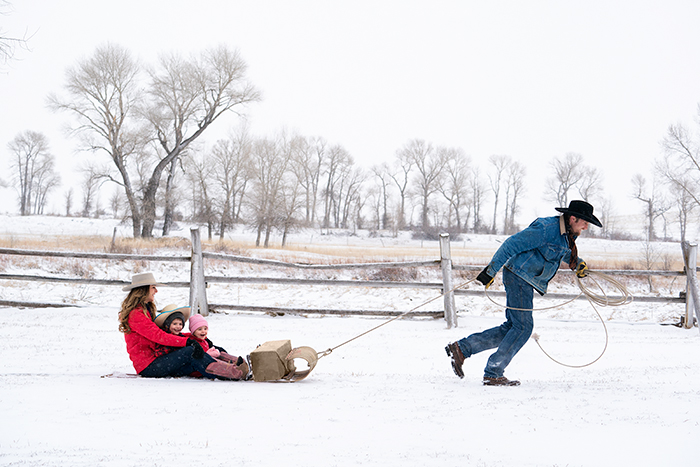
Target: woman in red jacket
column 142, row 337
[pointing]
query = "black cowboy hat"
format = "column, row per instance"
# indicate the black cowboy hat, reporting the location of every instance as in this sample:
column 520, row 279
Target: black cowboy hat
column 582, row 210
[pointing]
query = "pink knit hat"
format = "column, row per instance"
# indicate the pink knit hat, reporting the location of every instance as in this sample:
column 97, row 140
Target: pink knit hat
column 196, row 322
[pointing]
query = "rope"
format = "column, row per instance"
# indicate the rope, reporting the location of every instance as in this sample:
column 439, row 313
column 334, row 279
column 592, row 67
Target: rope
column 330, row 350
column 529, row 309
column 593, row 298
column 599, row 299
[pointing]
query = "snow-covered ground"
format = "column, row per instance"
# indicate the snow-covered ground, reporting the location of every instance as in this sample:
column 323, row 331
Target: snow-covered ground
column 388, row 398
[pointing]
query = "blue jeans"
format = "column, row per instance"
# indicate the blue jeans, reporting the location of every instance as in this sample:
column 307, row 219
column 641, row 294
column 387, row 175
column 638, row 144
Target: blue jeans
column 179, row 362
column 510, row 336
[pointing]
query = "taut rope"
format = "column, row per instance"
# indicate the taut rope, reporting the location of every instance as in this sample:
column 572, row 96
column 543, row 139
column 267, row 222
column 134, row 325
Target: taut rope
column 330, row 350
column 601, row 299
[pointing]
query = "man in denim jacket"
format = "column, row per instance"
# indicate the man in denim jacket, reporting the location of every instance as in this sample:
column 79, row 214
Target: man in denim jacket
column 529, row 259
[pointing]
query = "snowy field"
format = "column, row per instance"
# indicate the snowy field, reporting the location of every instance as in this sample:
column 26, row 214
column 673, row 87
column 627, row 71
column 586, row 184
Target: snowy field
column 387, row 399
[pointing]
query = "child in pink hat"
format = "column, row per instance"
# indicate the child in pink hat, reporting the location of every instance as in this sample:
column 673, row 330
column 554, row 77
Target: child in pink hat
column 199, row 328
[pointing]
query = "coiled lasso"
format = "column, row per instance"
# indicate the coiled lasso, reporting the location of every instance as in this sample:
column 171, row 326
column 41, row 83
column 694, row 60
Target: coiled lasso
column 594, row 298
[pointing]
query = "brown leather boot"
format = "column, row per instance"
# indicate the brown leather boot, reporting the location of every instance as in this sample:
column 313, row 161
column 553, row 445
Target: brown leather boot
column 225, row 370
column 500, row 381
column 457, row 357
column 245, row 369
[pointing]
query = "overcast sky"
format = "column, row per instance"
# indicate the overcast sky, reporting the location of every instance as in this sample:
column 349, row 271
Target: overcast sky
column 529, row 79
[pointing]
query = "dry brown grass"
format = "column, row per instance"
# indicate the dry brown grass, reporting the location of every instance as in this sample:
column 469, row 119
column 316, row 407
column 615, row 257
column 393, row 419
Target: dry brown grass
column 307, row 253
column 95, row 244
column 52, row 243
column 343, row 254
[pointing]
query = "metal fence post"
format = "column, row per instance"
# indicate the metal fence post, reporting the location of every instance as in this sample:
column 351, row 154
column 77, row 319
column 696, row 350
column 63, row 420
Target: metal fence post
column 692, row 294
column 198, row 287
column 446, row 266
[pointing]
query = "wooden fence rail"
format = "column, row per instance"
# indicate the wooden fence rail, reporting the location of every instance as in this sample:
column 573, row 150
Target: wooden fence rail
column 199, row 281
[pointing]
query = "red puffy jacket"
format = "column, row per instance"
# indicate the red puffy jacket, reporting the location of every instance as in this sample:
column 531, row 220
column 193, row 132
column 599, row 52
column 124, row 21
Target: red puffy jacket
column 142, row 341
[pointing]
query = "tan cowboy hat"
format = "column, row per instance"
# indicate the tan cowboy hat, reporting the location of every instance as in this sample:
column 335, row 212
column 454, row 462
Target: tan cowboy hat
column 139, row 280
column 169, row 310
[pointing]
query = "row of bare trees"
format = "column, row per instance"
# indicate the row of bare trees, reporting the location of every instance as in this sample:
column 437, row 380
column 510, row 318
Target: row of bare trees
column 146, row 119
column 274, row 184
column 277, row 184
column 281, row 183
column 674, row 191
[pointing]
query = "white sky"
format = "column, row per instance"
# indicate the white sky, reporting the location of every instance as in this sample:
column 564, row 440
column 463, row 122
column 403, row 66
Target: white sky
column 533, row 80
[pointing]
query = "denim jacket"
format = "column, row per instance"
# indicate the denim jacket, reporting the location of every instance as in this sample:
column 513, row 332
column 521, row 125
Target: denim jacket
column 535, row 253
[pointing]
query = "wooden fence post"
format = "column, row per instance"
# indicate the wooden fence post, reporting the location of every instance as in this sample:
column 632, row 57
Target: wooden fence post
column 198, row 287
column 692, row 294
column 446, row 266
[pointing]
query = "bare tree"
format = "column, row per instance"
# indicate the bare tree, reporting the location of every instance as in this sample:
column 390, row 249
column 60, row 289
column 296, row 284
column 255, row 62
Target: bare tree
column 400, row 175
column 429, row 165
column 199, row 172
column 102, row 93
column 308, row 160
column 186, row 96
column 290, row 203
column 515, row 187
column 171, row 199
column 680, row 165
column 383, row 180
column 269, row 166
column 343, row 192
column 568, row 171
column 337, row 164
column 655, row 206
column 605, row 210
column 115, row 204
column 454, row 186
column 590, row 184
column 91, row 180
column 359, row 206
column 231, row 159
column 46, row 180
column 648, row 258
column 499, row 164
column 373, row 193
column 69, row 201
column 477, row 193
column 686, row 207
column 9, row 43
column 352, row 193
column 33, row 170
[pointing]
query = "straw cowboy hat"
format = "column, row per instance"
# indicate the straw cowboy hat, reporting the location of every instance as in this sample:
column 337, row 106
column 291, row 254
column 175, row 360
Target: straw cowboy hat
column 582, row 210
column 170, row 310
column 140, row 280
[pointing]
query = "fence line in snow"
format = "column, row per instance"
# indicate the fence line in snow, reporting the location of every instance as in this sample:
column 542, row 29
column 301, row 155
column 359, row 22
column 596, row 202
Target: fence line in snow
column 198, row 280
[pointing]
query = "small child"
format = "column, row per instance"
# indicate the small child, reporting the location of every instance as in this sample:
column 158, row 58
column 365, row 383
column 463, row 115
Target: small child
column 199, row 328
column 171, row 319
column 174, row 323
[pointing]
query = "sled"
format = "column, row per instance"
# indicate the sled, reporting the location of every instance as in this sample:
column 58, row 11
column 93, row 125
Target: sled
column 274, row 361
column 118, row 374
